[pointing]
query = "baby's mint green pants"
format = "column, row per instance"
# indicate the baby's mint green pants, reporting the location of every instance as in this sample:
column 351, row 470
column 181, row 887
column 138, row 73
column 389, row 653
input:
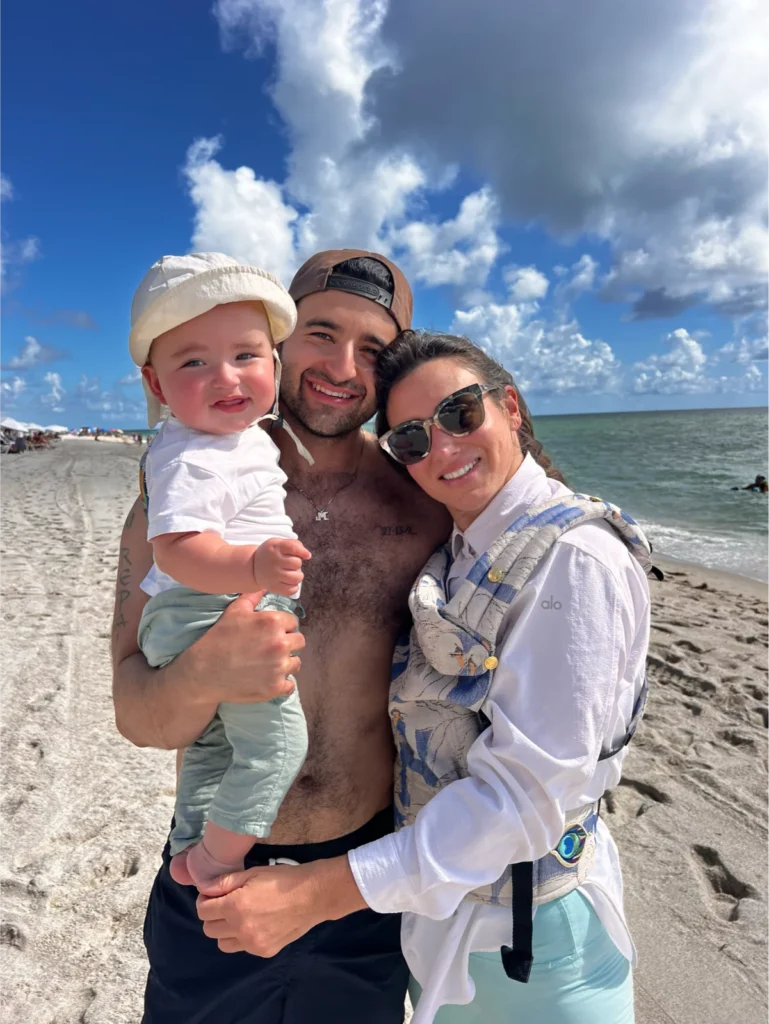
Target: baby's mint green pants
column 238, row 772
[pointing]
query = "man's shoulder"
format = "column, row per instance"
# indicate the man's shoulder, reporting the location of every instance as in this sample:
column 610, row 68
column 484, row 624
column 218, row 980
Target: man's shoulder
column 397, row 486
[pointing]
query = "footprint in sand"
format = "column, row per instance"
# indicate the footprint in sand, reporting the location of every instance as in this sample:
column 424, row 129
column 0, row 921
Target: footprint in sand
column 693, row 706
column 727, row 890
column 12, row 935
column 736, row 739
column 632, row 799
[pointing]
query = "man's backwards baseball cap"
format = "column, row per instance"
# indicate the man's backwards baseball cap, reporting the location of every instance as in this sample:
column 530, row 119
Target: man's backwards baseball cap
column 317, row 275
column 179, row 288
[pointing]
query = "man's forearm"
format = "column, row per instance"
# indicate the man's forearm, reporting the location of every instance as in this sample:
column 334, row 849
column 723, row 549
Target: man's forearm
column 156, row 707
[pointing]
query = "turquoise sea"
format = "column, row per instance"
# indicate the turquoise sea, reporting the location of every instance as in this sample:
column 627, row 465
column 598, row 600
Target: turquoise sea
column 672, row 471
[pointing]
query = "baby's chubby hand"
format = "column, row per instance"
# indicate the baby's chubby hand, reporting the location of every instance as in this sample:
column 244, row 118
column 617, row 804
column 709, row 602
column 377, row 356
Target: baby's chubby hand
column 278, row 565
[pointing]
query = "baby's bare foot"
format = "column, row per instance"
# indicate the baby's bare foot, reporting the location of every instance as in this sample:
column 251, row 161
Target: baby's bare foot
column 179, row 870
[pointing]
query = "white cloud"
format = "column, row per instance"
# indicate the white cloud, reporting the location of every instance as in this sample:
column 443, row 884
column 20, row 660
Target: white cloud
column 134, row 377
column 644, row 125
column 681, row 370
column 544, row 358
column 33, row 353
column 639, row 131
column 16, row 253
column 342, row 189
column 746, row 350
column 111, row 406
column 19, row 251
column 458, row 252
column 238, row 213
column 13, row 388
column 526, row 284
column 583, row 275
column 55, row 395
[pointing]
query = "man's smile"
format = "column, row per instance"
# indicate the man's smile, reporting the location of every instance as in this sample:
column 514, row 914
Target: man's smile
column 330, row 394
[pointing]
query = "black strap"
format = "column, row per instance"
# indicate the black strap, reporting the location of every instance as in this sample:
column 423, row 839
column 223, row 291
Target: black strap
column 518, row 960
column 638, row 711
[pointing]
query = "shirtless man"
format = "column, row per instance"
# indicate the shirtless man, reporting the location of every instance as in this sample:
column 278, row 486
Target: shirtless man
column 369, row 530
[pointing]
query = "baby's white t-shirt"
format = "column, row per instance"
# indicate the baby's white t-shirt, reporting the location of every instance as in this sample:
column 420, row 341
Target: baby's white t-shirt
column 227, row 484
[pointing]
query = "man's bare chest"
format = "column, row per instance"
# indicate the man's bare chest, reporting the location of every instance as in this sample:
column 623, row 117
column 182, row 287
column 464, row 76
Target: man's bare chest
column 365, row 557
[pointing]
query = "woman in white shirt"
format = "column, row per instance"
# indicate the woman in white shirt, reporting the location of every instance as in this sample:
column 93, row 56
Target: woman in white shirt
column 522, row 682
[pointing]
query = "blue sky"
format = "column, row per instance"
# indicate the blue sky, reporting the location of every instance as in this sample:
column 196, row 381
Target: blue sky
column 583, row 195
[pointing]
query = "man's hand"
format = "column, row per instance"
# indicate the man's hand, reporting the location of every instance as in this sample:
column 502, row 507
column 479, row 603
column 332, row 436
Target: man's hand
column 264, row 909
column 278, row 565
column 246, row 656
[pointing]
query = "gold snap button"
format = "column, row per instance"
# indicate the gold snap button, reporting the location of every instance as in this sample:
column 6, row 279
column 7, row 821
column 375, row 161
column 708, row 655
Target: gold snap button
column 495, row 575
column 491, row 662
column 595, row 499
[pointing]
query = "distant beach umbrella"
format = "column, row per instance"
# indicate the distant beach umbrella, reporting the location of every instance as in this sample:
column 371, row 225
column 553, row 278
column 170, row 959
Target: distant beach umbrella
column 9, row 423
column 57, row 429
column 35, row 426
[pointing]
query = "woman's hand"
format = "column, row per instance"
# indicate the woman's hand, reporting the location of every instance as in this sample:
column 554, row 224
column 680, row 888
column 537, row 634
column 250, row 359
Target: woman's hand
column 261, row 910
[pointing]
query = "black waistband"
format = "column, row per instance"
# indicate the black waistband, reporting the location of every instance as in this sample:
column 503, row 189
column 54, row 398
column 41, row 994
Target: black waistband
column 380, row 825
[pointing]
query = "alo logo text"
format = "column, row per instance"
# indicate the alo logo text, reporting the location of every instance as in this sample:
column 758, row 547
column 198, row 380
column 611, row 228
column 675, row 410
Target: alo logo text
column 550, row 603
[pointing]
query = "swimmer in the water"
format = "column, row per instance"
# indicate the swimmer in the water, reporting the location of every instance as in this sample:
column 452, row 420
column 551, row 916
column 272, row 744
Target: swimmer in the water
column 759, row 484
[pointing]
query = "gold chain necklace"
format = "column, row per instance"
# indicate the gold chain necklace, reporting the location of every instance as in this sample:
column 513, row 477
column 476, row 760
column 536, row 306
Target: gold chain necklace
column 321, row 512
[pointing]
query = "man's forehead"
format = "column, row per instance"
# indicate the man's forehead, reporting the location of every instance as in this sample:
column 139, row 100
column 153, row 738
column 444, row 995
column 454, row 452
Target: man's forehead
column 347, row 312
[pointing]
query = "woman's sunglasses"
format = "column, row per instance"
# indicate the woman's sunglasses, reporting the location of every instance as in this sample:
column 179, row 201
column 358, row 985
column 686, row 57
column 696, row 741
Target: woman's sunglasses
column 459, row 415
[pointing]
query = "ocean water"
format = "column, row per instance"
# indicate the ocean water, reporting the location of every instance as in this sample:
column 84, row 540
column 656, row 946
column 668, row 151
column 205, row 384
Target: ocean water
column 672, row 471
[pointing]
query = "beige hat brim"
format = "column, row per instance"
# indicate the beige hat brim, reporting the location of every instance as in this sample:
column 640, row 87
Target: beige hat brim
column 198, row 295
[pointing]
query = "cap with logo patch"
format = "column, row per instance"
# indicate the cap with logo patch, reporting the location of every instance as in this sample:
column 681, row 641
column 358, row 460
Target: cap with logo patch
column 317, row 275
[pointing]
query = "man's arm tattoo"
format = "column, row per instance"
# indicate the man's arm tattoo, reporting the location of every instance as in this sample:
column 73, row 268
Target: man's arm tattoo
column 124, row 581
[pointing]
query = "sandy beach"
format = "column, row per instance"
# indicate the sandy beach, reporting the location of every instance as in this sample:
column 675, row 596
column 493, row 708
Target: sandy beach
column 85, row 814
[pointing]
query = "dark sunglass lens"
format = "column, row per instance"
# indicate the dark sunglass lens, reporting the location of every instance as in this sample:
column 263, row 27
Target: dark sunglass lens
column 409, row 443
column 462, row 415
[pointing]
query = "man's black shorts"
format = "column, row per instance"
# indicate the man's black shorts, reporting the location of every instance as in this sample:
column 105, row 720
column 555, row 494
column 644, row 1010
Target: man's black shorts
column 349, row 971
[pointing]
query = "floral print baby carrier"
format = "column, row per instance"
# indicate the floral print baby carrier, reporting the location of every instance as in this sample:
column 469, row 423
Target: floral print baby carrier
column 441, row 679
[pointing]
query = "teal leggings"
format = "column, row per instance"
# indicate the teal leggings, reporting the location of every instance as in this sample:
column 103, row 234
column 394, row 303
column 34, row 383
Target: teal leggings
column 578, row 976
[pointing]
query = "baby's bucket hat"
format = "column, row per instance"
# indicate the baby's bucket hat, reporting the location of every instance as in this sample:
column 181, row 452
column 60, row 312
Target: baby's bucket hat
column 179, row 288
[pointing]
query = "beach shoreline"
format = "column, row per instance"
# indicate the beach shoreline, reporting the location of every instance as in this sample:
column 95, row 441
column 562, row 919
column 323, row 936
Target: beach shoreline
column 85, row 814
column 717, row 578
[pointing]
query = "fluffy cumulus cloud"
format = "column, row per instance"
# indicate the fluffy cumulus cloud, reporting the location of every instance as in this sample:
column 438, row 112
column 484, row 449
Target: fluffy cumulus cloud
column 55, row 391
column 642, row 124
column 13, row 388
column 544, row 357
column 526, row 284
column 746, row 350
column 637, row 126
column 89, row 397
column 33, row 353
column 134, row 377
column 17, row 252
column 341, row 187
column 682, row 370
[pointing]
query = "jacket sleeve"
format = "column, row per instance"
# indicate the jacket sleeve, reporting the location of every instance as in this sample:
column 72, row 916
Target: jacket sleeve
column 561, row 665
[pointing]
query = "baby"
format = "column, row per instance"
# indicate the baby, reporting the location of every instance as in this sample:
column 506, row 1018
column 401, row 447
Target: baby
column 204, row 330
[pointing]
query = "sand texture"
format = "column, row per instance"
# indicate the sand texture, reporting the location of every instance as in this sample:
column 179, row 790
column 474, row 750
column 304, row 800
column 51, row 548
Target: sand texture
column 85, row 814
